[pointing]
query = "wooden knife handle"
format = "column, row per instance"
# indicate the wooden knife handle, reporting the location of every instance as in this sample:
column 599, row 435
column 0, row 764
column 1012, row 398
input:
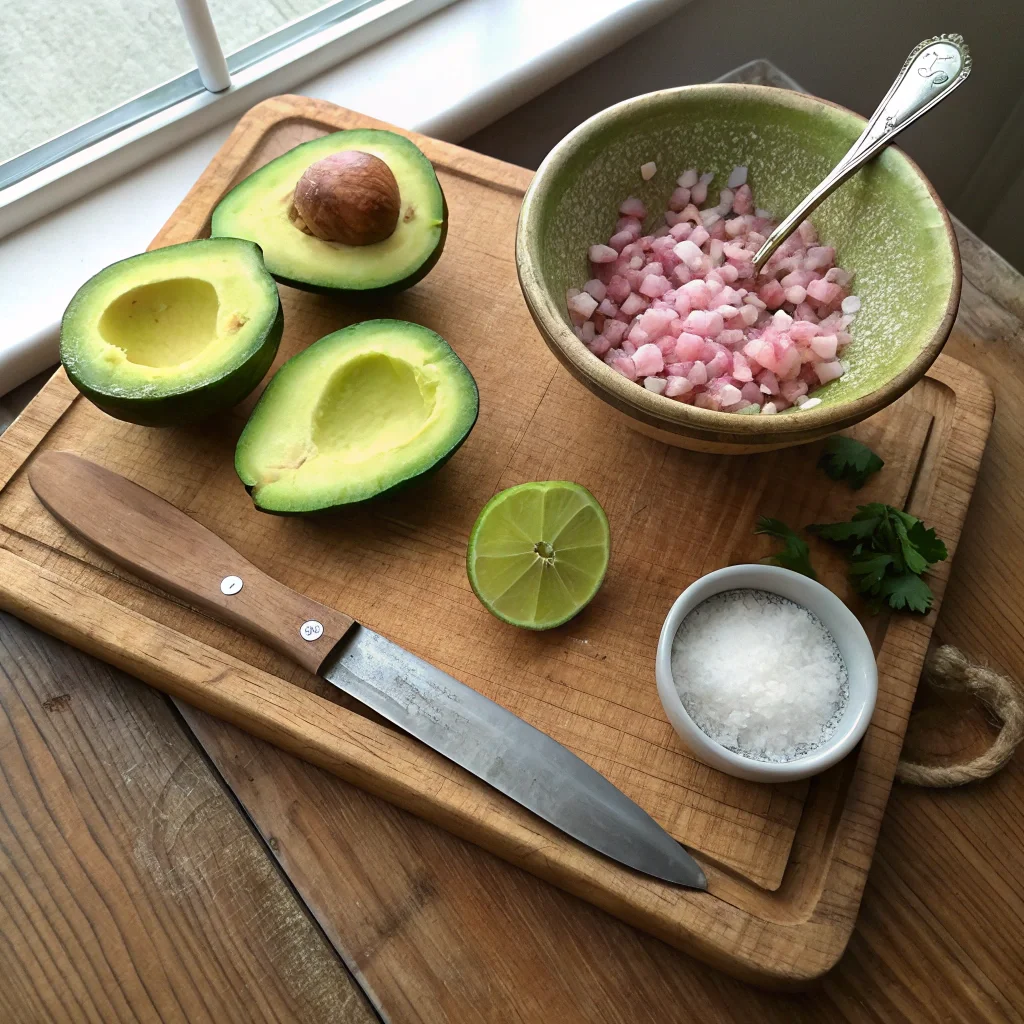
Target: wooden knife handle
column 158, row 542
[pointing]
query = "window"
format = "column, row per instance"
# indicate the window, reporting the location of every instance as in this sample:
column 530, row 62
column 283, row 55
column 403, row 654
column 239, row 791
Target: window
column 82, row 78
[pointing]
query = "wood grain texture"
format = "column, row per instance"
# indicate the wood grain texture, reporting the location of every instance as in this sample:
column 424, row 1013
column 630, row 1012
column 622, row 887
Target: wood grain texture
column 439, row 932
column 131, row 887
column 787, row 863
column 158, row 542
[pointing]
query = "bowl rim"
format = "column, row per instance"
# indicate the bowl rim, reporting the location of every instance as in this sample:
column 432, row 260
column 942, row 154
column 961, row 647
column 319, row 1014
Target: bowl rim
column 820, row 601
column 655, row 410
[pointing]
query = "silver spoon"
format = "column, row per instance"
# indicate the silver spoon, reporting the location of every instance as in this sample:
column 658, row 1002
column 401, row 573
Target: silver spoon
column 932, row 71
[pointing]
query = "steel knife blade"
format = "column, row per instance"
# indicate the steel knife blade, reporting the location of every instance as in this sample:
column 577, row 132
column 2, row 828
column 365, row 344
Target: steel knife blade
column 506, row 752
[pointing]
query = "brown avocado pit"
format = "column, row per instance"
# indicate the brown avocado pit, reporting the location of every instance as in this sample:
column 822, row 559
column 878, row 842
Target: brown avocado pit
column 350, row 197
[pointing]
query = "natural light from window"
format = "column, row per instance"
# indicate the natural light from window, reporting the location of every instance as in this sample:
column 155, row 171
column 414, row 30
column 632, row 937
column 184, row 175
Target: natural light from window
column 63, row 63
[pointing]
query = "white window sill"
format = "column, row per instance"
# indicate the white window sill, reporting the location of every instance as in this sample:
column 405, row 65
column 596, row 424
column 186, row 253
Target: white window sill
column 447, row 76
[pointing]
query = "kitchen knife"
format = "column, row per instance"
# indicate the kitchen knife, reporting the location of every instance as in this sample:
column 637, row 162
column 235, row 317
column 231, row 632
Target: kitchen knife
column 160, row 543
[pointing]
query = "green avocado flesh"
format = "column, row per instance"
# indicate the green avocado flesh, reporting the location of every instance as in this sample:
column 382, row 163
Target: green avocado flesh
column 260, row 208
column 357, row 414
column 173, row 335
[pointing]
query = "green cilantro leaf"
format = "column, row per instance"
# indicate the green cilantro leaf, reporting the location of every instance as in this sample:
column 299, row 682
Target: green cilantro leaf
column 847, row 459
column 794, row 555
column 888, row 550
column 906, row 591
column 912, row 558
column 868, row 570
column 927, row 543
column 841, row 533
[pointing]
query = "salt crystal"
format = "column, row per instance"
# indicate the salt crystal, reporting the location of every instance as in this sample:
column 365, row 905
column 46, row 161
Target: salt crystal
column 760, row 675
column 851, row 304
column 647, row 170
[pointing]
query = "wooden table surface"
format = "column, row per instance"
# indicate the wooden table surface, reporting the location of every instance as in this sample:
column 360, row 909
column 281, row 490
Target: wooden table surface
column 139, row 882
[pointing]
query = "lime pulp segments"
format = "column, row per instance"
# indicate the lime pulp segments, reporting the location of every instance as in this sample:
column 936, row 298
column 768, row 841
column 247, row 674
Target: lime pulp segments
column 538, row 553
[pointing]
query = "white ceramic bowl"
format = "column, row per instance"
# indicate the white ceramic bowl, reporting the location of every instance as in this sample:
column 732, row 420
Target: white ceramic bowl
column 854, row 647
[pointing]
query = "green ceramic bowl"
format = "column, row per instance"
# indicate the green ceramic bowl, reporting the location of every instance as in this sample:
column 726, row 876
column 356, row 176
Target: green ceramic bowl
column 887, row 224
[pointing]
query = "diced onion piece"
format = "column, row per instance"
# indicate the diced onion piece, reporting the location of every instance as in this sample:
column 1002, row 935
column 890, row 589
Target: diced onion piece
column 737, row 178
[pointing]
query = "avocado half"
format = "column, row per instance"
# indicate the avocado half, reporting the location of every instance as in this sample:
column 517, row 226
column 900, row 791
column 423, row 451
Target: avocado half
column 260, row 208
column 173, row 335
column 356, row 415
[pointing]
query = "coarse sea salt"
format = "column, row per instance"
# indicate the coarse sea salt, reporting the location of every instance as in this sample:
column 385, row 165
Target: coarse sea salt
column 760, row 675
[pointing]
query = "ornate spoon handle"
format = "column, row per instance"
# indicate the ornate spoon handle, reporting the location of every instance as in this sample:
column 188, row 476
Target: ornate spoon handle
column 931, row 72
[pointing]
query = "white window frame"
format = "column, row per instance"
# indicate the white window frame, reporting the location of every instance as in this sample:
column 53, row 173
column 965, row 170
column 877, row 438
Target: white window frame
column 56, row 173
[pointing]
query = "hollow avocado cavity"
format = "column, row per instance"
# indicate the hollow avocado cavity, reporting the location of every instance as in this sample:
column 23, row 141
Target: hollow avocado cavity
column 356, row 415
column 164, row 323
column 372, row 404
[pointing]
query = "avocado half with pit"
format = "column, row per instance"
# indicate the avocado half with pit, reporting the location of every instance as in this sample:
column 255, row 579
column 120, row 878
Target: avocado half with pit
column 174, row 335
column 359, row 212
column 356, row 415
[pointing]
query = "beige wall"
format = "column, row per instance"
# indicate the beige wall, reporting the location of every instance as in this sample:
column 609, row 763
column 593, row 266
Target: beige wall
column 971, row 146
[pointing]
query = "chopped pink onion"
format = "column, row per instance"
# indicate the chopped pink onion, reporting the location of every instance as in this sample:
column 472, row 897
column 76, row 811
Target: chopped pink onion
column 584, row 304
column 738, row 177
column 677, row 386
column 648, row 170
column 602, row 254
column 633, row 207
column 824, row 346
column 632, row 305
column 615, row 331
column 624, row 365
column 654, row 286
column 681, row 311
column 829, row 370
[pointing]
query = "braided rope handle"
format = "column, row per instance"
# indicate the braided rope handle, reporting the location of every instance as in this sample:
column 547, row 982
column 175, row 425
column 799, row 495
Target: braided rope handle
column 948, row 668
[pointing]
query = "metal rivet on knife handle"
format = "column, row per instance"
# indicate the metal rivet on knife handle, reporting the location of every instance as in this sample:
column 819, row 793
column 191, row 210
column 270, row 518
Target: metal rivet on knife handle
column 311, row 630
column 230, row 585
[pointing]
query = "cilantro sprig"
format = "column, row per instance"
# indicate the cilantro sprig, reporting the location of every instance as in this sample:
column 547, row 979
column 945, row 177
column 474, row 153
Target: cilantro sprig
column 794, row 555
column 888, row 551
column 846, row 459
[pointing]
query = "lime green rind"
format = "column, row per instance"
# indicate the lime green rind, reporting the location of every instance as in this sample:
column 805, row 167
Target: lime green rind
column 502, row 542
column 885, row 224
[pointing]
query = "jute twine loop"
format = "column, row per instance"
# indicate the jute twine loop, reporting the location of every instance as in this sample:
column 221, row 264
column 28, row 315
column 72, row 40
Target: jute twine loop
column 948, row 668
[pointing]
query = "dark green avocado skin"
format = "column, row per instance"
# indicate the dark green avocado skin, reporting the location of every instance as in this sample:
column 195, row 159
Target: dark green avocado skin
column 199, row 403
column 369, row 294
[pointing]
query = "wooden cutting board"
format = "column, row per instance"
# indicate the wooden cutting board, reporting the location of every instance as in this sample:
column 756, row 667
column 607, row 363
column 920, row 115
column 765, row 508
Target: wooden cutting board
column 787, row 864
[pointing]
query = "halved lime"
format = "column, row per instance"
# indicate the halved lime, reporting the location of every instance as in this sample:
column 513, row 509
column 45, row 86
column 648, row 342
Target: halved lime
column 538, row 553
